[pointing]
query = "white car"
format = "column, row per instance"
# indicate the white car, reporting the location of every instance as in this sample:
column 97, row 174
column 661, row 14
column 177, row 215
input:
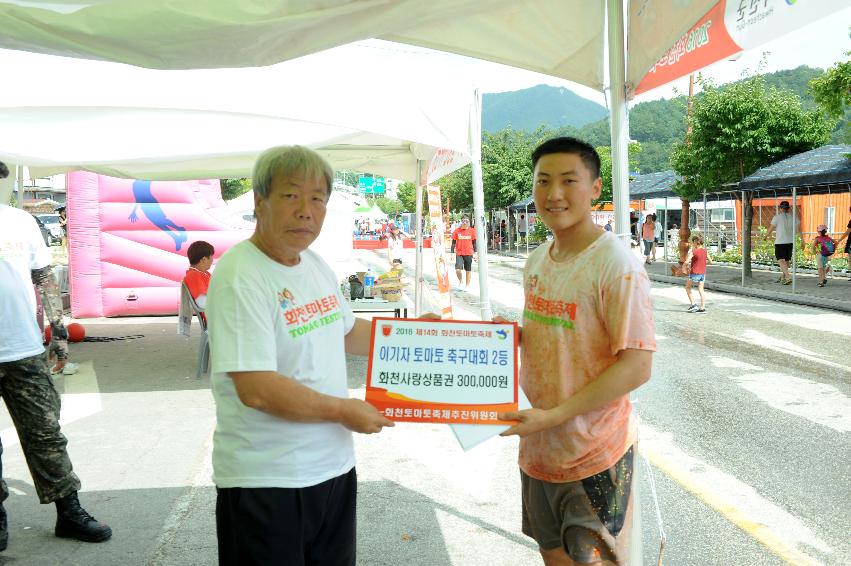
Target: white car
column 51, row 222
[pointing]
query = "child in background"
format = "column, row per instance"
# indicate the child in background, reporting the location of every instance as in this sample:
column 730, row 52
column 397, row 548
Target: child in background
column 197, row 278
column 587, row 340
column 648, row 233
column 697, row 258
column 823, row 243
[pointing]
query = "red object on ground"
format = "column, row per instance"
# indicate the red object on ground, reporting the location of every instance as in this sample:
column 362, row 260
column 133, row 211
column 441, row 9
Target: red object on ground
column 76, row 332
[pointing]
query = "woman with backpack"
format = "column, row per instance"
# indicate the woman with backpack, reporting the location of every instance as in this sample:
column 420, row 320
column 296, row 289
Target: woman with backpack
column 824, row 247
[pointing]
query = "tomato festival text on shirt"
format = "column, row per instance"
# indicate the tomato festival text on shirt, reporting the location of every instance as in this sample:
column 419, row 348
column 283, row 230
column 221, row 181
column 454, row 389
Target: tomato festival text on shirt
column 306, row 315
column 548, row 311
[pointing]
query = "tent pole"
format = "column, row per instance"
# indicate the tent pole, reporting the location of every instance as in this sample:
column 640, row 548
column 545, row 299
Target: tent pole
column 527, row 231
column 665, row 237
column 742, row 220
column 19, row 175
column 619, row 118
column 479, row 203
column 418, row 283
column 794, row 237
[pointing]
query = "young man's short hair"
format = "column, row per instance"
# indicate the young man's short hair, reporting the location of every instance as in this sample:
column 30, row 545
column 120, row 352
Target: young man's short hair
column 198, row 251
column 586, row 152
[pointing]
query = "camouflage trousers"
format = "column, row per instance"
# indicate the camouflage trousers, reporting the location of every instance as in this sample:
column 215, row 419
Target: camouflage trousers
column 33, row 404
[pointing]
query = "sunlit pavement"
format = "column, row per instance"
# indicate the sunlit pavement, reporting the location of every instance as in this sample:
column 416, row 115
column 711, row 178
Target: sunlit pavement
column 745, row 425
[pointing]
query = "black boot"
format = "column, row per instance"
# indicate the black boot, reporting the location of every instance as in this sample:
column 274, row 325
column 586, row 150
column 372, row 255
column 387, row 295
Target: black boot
column 73, row 521
column 4, row 529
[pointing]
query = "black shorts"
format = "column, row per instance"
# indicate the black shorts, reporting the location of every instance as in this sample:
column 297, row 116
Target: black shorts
column 274, row 525
column 590, row 519
column 464, row 262
column 783, row 251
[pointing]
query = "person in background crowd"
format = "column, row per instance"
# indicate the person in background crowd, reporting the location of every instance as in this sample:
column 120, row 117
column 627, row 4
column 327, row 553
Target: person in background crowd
column 465, row 252
column 845, row 236
column 197, row 278
column 783, row 224
column 25, row 383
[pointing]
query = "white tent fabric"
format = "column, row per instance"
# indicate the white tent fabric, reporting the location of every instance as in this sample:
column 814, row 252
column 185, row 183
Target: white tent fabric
column 131, row 122
column 562, row 38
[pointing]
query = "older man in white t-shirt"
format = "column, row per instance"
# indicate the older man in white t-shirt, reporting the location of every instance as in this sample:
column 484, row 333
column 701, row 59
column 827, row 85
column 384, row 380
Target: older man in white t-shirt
column 283, row 456
column 784, row 226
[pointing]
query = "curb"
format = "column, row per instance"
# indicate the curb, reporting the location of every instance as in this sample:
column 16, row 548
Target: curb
column 819, row 302
column 804, row 300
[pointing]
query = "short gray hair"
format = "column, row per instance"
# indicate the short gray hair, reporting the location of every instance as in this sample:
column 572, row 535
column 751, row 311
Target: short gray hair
column 289, row 160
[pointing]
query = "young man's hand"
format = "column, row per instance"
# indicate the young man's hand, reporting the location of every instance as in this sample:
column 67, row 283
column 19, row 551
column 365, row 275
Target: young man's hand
column 530, row 421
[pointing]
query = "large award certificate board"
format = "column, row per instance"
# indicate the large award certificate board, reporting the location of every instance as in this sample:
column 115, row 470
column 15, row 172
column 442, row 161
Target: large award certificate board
column 442, row 371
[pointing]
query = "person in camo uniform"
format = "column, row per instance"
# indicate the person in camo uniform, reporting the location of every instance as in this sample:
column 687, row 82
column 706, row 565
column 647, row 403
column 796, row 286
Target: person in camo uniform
column 25, row 382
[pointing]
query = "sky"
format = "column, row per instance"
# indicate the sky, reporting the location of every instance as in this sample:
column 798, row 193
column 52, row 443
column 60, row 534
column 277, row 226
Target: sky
column 820, row 44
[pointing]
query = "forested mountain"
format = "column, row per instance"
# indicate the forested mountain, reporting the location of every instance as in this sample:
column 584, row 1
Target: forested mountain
column 530, row 108
column 655, row 124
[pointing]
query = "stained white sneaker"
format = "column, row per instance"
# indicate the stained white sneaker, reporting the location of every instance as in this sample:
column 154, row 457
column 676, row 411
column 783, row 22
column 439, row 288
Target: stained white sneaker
column 70, row 368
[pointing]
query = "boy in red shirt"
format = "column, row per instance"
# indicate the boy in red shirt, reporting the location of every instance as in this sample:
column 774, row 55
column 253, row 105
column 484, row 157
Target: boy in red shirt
column 197, row 278
column 697, row 258
column 464, row 238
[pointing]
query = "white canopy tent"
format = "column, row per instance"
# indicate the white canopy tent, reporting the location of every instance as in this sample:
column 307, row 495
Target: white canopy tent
column 563, row 38
column 131, row 122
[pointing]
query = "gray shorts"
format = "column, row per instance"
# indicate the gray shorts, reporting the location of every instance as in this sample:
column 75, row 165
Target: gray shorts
column 590, row 518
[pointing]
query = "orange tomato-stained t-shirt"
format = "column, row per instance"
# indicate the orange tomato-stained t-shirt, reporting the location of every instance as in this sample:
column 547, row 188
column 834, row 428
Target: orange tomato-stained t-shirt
column 577, row 316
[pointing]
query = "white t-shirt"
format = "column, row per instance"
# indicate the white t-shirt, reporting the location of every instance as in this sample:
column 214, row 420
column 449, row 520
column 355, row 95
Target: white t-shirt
column 657, row 230
column 522, row 225
column 22, row 249
column 264, row 316
column 783, row 222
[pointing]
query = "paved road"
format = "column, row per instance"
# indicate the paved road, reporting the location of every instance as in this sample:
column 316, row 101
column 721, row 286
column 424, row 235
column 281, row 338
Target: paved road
column 745, row 425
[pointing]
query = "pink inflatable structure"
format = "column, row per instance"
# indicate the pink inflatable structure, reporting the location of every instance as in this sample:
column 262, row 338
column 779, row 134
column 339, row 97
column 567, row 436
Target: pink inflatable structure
column 128, row 241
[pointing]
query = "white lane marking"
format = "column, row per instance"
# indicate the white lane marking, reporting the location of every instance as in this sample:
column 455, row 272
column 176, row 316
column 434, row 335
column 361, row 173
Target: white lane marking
column 722, row 362
column 834, row 322
column 183, row 506
column 817, row 402
column 82, row 399
column 787, row 348
column 783, row 533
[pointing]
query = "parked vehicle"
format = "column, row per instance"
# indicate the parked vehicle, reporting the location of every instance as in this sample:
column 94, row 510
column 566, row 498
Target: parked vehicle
column 50, row 228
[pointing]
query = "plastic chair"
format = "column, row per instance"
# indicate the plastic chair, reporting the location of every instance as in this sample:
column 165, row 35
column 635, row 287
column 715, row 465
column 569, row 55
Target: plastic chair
column 204, row 347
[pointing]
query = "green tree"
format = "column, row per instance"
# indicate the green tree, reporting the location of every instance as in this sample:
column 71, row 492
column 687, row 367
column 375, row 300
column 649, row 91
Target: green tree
column 605, row 152
column 389, row 207
column 407, row 194
column 736, row 130
column 456, row 189
column 832, row 92
column 507, row 165
column 232, row 188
